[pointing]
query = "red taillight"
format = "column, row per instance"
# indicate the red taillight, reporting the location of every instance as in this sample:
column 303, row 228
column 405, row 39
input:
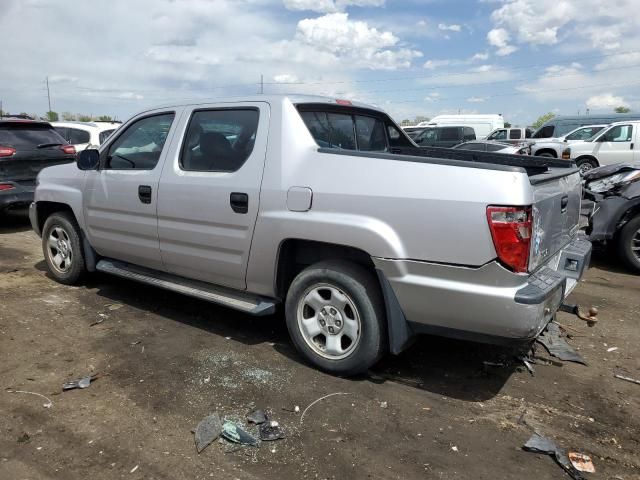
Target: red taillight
column 6, row 186
column 7, row 151
column 69, row 149
column 511, row 231
column 344, row 102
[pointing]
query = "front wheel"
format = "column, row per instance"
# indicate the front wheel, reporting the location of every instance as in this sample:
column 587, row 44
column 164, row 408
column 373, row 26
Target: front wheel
column 62, row 248
column 586, row 164
column 335, row 316
column 629, row 243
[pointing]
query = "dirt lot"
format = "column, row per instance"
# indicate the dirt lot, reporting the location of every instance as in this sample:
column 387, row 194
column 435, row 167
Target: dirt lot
column 167, row 361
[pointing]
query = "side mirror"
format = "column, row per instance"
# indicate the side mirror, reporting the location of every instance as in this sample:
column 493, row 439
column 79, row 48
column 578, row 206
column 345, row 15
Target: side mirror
column 88, row 159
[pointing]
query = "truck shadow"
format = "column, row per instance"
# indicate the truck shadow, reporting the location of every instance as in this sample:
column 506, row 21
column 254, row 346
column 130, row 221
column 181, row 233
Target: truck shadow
column 442, row 366
column 14, row 222
column 606, row 259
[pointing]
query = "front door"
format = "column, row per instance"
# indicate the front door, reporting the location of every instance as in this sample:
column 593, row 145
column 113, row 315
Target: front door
column 210, row 192
column 121, row 197
column 615, row 145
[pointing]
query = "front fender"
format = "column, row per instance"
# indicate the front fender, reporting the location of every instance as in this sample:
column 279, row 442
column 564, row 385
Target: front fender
column 603, row 224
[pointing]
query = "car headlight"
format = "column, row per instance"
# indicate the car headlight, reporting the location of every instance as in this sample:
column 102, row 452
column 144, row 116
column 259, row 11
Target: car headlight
column 605, row 184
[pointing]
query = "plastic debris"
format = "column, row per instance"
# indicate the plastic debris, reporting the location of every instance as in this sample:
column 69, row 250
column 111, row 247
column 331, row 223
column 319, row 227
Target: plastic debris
column 528, row 363
column 236, row 434
column 296, row 409
column 384, row 404
column 49, row 403
column 316, row 401
column 257, row 417
column 134, row 469
column 552, row 340
column 83, row 382
column 207, row 431
column 539, row 444
column 582, row 462
column 270, row 431
column 102, row 318
column 612, row 349
column 114, row 306
column 626, row 379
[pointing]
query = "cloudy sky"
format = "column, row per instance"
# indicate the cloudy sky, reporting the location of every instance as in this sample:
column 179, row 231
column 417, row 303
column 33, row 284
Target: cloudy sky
column 521, row 58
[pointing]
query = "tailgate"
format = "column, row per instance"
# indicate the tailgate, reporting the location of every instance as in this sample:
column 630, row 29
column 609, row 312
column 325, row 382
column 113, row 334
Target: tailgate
column 24, row 167
column 556, row 214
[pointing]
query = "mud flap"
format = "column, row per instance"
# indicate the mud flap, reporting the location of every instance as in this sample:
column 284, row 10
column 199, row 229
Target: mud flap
column 400, row 332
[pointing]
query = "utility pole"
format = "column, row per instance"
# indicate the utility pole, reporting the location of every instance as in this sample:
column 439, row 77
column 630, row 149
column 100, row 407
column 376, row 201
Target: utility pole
column 48, row 94
column 261, row 84
column 1, row 111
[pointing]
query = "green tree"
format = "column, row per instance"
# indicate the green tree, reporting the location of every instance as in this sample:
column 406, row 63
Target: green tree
column 52, row 116
column 507, row 125
column 405, row 122
column 542, row 119
column 68, row 116
column 622, row 109
column 84, row 118
column 105, row 118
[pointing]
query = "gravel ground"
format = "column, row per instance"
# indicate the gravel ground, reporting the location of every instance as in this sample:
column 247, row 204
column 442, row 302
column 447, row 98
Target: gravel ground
column 165, row 361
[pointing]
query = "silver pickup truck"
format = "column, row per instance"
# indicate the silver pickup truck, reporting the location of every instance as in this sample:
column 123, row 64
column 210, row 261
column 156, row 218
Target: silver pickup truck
column 325, row 206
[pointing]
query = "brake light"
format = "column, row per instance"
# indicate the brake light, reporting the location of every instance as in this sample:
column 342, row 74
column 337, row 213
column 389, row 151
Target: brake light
column 511, row 232
column 6, row 186
column 344, row 102
column 69, row 149
column 7, row 151
column 566, row 154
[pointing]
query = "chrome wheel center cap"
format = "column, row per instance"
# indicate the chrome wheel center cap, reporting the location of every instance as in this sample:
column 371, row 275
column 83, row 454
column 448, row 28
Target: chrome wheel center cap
column 330, row 320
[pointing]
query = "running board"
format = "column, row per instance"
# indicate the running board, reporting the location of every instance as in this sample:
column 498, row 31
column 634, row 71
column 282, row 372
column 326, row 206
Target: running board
column 253, row 304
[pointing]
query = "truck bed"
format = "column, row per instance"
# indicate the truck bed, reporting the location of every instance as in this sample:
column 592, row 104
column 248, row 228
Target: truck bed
column 532, row 165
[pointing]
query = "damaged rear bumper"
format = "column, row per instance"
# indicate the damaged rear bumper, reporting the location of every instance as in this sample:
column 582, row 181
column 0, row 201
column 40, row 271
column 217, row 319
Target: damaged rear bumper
column 487, row 304
column 18, row 196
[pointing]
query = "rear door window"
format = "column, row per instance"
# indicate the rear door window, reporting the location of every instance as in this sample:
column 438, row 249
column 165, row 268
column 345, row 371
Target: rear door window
column 342, row 131
column 25, row 136
column 545, row 132
column 515, row 134
column 450, row 134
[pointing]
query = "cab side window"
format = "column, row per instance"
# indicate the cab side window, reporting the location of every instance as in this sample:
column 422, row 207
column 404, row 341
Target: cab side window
column 140, row 145
column 620, row 133
column 515, row 134
column 219, row 140
column 77, row 136
column 498, row 135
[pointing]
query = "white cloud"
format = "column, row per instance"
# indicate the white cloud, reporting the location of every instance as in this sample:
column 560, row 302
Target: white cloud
column 286, row 78
column 499, row 38
column 547, row 22
column 355, row 42
column 330, row 6
column 432, row 97
column 476, row 99
column 480, row 56
column 605, row 100
column 433, row 64
column 450, row 28
column 131, row 95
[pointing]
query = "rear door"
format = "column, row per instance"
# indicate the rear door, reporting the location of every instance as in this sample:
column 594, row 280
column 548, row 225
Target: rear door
column 121, row 198
column 210, row 192
column 616, row 145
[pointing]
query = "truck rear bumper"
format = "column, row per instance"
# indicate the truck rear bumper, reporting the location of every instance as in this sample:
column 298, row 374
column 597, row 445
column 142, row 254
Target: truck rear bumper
column 488, row 303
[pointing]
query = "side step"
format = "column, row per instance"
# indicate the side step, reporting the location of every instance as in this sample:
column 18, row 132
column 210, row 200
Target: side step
column 252, row 304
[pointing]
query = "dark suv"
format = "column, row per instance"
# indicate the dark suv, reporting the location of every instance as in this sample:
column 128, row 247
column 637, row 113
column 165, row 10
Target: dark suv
column 26, row 147
column 448, row 136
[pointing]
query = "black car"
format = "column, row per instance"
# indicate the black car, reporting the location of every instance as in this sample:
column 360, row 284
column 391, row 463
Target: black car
column 26, row 147
column 448, row 136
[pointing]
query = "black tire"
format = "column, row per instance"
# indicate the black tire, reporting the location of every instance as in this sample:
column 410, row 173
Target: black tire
column 628, row 239
column 545, row 155
column 363, row 290
column 588, row 163
column 75, row 269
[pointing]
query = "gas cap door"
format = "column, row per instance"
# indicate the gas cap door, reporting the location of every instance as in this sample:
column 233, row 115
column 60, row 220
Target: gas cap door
column 299, row 199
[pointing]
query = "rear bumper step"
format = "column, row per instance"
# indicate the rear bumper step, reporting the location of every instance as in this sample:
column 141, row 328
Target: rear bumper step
column 252, row 304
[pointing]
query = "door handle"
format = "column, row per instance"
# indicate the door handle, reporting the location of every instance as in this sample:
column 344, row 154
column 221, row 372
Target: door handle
column 239, row 202
column 631, row 146
column 563, row 203
column 144, row 193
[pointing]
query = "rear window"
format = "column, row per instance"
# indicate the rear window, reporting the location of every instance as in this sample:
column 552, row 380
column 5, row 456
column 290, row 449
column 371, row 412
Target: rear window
column 104, row 135
column 77, row 136
column 346, row 131
column 25, row 136
column 515, row 134
column 545, row 132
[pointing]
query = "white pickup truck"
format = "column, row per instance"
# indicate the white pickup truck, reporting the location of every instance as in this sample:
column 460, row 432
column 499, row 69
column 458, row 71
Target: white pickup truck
column 618, row 143
column 326, row 206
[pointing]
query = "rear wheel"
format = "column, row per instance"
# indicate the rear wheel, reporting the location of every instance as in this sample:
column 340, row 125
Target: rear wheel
column 62, row 248
column 629, row 243
column 586, row 164
column 335, row 316
column 545, row 154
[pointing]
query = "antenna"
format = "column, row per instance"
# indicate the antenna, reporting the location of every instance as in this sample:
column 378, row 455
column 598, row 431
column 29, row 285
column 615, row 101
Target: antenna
column 48, row 94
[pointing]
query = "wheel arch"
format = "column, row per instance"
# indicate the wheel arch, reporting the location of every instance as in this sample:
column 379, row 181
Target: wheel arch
column 543, row 151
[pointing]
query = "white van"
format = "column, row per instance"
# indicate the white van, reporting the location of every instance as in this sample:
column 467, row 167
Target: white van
column 483, row 125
